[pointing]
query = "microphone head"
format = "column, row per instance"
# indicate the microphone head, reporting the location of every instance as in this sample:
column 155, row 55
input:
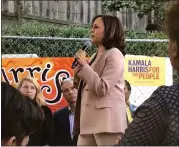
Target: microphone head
column 87, row 43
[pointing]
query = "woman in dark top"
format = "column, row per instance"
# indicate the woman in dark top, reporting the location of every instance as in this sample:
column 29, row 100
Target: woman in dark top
column 156, row 121
column 42, row 136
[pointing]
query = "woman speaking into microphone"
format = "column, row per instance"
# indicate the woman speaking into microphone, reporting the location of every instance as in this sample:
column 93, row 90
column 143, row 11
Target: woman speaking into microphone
column 100, row 116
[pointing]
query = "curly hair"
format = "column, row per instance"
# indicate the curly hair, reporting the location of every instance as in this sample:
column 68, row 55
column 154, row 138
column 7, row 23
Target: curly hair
column 113, row 32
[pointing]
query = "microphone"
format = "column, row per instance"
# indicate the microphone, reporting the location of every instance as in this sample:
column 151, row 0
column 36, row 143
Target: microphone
column 85, row 47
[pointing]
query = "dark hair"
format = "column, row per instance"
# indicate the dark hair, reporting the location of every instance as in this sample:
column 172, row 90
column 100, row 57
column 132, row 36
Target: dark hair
column 20, row 115
column 113, row 32
column 128, row 85
column 173, row 23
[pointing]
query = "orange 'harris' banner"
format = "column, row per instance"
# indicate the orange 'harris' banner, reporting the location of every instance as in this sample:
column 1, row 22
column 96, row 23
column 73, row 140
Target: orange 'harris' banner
column 46, row 71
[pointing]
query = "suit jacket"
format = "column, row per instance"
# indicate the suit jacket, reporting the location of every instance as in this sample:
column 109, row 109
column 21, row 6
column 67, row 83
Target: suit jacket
column 62, row 136
column 101, row 103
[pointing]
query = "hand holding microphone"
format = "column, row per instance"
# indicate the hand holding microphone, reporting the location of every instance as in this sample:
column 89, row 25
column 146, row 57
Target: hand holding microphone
column 79, row 62
column 80, row 56
column 80, row 59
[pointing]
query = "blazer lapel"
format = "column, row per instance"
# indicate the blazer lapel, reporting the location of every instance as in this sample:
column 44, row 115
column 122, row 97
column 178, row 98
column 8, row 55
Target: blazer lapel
column 93, row 58
column 98, row 59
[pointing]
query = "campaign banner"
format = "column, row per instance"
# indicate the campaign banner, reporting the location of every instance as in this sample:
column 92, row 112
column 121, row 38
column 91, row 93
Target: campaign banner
column 144, row 74
column 47, row 71
column 145, row 71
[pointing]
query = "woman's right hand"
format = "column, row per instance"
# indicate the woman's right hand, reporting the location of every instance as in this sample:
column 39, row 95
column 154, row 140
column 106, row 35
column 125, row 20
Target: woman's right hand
column 80, row 55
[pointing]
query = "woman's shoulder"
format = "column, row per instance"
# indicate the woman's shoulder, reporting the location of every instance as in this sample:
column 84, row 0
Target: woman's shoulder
column 170, row 95
column 47, row 110
column 114, row 50
column 168, row 92
column 114, row 53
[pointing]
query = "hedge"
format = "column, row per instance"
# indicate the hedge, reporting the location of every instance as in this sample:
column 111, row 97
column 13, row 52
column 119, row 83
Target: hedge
column 60, row 48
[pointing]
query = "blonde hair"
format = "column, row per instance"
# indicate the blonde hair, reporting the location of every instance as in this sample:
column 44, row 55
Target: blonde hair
column 39, row 96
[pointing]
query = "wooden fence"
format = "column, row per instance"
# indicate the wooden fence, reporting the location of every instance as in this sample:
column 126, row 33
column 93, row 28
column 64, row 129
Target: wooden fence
column 66, row 12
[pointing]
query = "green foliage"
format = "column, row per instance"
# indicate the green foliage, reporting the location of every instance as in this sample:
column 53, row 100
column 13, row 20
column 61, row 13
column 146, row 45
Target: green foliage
column 67, row 48
column 39, row 29
column 44, row 47
column 141, row 6
column 146, row 48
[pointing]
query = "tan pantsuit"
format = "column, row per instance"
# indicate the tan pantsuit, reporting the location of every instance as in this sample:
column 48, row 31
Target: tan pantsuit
column 99, row 139
column 100, row 114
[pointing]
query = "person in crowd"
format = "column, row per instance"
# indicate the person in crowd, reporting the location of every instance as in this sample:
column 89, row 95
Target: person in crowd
column 156, row 121
column 127, row 90
column 20, row 116
column 28, row 86
column 100, row 115
column 64, row 118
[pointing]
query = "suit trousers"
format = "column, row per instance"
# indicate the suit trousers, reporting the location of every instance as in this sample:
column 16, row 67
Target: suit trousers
column 99, row 139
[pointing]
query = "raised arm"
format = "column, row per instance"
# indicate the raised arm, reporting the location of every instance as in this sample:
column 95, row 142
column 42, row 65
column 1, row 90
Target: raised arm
column 112, row 72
